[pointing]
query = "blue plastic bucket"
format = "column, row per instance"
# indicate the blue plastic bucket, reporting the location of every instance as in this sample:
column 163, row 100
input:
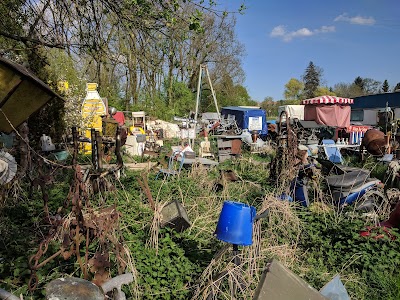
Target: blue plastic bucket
column 235, row 224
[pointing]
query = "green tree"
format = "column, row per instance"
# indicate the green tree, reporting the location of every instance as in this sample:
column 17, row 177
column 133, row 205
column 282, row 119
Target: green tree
column 371, row 86
column 293, row 89
column 359, row 82
column 348, row 90
column 270, row 106
column 385, row 86
column 397, row 87
column 322, row 91
column 311, row 79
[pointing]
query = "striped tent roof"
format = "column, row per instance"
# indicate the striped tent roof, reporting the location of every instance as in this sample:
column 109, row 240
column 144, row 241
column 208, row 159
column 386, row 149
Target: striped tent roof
column 327, row 100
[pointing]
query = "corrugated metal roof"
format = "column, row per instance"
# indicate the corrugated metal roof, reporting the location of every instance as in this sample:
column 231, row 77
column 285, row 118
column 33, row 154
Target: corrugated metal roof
column 21, row 94
column 377, row 101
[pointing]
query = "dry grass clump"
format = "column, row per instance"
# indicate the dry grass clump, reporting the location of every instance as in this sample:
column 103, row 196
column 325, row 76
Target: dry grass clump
column 282, row 225
column 224, row 278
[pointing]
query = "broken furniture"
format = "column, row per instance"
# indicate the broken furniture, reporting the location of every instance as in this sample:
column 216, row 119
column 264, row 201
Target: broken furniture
column 174, row 166
column 334, row 160
column 332, row 151
column 205, row 148
column 330, row 168
column 229, row 146
column 189, row 161
column 308, row 132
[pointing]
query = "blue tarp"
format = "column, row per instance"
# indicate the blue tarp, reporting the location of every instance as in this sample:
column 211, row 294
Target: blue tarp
column 247, row 118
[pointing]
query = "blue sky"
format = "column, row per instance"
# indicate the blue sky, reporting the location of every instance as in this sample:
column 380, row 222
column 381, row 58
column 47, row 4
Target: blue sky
column 346, row 38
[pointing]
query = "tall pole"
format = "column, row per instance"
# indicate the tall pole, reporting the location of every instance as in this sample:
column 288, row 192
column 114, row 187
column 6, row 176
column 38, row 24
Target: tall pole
column 198, row 95
column 213, row 94
column 197, row 105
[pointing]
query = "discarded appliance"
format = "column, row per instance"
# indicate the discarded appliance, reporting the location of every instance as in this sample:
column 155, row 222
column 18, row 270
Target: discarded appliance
column 249, row 118
column 134, row 145
column 21, row 94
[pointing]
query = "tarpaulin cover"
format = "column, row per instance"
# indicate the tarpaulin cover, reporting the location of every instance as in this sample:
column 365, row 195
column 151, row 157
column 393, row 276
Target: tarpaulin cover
column 328, row 100
column 335, row 290
column 247, row 118
column 330, row 115
column 293, row 111
column 119, row 117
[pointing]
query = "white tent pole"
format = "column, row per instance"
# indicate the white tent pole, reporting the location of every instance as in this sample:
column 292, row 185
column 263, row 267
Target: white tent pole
column 197, row 104
column 213, row 94
column 198, row 94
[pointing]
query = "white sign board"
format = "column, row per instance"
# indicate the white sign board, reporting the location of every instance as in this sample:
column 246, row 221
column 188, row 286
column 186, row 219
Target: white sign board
column 255, row 123
column 188, row 133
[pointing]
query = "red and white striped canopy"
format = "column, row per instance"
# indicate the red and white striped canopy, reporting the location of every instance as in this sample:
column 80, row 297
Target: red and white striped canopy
column 328, row 100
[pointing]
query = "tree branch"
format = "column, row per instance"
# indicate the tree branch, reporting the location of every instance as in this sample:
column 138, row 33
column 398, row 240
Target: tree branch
column 30, row 40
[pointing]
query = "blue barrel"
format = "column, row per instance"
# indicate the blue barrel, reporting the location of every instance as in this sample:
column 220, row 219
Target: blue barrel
column 235, row 224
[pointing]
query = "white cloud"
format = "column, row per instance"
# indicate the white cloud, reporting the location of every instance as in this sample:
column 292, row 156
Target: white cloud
column 287, row 36
column 358, row 20
column 278, row 31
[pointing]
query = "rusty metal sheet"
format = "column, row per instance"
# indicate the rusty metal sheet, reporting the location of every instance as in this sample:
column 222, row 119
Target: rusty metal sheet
column 21, row 94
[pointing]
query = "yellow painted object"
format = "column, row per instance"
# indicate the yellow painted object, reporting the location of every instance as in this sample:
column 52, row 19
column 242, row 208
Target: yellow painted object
column 133, row 130
column 93, row 108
